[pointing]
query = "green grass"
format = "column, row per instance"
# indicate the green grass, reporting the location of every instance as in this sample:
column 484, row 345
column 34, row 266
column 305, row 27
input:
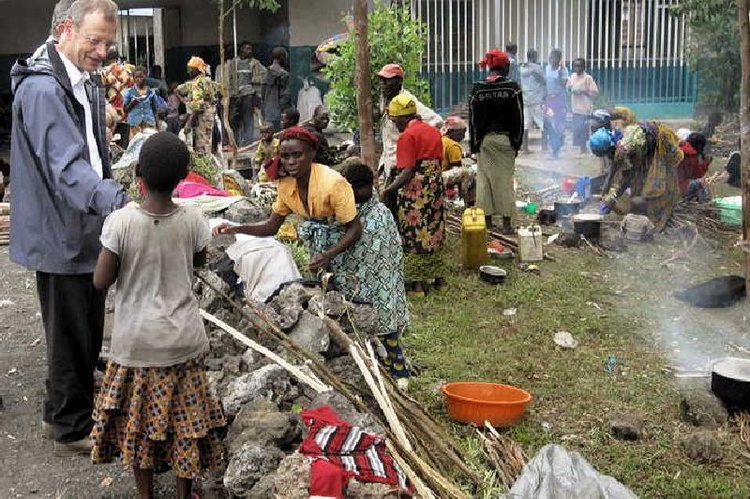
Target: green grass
column 463, row 335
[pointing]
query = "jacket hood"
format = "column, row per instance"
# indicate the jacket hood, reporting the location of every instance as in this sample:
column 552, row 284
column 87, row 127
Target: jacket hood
column 40, row 63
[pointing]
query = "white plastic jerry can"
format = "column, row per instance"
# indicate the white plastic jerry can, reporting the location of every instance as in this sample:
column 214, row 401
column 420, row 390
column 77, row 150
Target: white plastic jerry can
column 530, row 243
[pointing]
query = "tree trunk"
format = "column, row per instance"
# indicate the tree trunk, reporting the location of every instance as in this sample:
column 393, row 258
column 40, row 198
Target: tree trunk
column 743, row 11
column 364, row 88
column 225, row 89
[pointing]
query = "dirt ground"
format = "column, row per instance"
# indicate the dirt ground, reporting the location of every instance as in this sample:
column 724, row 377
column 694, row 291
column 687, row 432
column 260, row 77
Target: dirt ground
column 28, row 467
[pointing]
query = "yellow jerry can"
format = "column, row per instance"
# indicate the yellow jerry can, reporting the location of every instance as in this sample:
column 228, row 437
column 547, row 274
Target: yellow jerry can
column 473, row 239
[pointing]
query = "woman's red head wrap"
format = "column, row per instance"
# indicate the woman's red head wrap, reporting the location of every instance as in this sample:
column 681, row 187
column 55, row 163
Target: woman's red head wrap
column 495, row 58
column 299, row 133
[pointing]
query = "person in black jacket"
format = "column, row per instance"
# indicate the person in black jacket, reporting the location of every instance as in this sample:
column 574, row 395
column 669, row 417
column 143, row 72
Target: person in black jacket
column 496, row 133
column 62, row 191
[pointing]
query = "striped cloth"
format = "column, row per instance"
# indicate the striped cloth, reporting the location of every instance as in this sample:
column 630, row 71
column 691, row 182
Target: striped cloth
column 352, row 451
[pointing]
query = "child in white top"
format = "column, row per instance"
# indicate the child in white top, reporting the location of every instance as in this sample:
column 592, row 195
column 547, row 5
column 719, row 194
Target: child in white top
column 583, row 91
column 155, row 409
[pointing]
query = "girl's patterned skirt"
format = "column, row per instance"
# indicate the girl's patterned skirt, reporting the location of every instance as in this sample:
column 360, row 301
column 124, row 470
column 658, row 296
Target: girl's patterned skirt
column 158, row 418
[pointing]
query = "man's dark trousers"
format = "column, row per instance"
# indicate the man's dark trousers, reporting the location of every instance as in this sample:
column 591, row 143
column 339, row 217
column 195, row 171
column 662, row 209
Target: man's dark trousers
column 73, row 315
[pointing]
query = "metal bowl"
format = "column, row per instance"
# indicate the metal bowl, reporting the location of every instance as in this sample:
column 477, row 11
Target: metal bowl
column 492, row 274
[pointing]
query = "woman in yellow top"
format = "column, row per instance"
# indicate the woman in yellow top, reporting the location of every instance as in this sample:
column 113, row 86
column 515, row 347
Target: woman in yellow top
column 310, row 190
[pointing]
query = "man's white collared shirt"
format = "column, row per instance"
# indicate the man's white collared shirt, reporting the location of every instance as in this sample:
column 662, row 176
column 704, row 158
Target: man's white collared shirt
column 77, row 81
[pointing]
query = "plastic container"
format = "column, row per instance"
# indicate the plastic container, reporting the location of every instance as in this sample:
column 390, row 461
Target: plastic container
column 583, row 188
column 473, row 239
column 730, row 209
column 530, row 242
column 477, row 402
column 568, row 186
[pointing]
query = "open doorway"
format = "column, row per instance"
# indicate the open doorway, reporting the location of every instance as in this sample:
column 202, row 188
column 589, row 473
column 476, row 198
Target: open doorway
column 140, row 37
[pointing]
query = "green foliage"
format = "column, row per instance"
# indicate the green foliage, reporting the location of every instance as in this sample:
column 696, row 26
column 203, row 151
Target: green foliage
column 393, row 37
column 300, row 254
column 270, row 5
column 714, row 50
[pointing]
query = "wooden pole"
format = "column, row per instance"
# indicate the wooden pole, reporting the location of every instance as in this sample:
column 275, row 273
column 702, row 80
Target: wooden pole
column 225, row 87
column 743, row 13
column 364, row 87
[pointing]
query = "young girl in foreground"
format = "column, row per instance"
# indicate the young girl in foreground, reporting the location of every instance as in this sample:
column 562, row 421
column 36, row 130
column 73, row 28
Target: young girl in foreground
column 154, row 408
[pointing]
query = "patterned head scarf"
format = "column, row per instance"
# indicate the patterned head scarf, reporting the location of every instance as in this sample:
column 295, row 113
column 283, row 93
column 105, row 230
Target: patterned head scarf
column 625, row 114
column 196, row 62
column 299, row 133
column 495, row 58
column 633, row 140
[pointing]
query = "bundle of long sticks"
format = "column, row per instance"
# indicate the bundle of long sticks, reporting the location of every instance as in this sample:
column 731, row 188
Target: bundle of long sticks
column 453, row 223
column 705, row 216
column 430, row 454
column 505, row 454
column 743, row 421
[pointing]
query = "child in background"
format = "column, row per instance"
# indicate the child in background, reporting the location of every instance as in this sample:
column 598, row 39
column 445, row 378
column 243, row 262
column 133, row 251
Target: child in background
column 583, row 90
column 141, row 104
column 693, row 167
column 155, row 409
column 636, row 226
column 268, row 148
column 454, row 131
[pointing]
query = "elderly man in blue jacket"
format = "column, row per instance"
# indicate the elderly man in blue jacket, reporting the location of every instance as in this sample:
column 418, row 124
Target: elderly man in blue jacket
column 62, row 190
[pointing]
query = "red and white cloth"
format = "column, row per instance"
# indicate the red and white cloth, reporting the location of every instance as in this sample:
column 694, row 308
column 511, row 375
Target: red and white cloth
column 342, row 451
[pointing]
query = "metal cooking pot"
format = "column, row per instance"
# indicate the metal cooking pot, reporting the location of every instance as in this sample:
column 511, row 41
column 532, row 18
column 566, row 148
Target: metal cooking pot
column 546, row 216
column 589, row 225
column 730, row 381
column 564, row 209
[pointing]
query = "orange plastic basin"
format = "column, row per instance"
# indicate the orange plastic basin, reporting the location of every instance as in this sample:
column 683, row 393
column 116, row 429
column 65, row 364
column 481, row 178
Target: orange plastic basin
column 477, row 402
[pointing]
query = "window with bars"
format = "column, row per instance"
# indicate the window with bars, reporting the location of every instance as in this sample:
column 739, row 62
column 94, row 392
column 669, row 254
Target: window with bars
column 637, row 31
column 450, row 31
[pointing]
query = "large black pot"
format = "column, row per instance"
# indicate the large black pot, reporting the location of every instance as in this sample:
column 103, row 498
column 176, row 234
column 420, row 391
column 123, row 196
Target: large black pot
column 730, row 381
column 589, row 225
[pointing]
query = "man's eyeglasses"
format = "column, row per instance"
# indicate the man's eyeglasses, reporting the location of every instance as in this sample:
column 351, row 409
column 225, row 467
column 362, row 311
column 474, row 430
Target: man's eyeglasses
column 96, row 42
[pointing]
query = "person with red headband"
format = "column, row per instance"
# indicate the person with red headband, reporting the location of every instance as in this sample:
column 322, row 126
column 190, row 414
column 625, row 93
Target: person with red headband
column 391, row 78
column 312, row 191
column 496, row 134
